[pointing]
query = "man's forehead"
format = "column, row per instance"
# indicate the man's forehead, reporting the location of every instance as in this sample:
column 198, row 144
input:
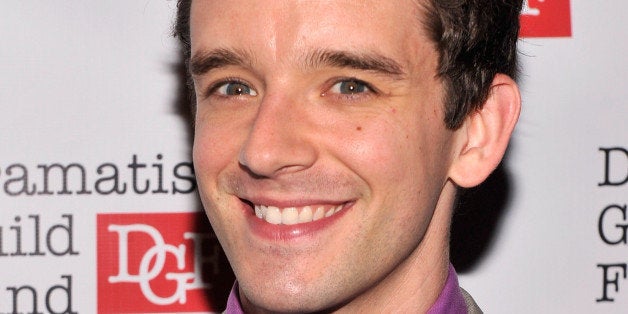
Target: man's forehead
column 314, row 16
column 308, row 32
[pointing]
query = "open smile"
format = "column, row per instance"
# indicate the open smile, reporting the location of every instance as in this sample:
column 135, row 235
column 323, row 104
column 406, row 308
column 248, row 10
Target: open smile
column 295, row 215
column 292, row 220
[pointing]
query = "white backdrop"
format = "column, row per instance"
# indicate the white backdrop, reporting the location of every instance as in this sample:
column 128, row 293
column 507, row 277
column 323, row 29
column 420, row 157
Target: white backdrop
column 95, row 84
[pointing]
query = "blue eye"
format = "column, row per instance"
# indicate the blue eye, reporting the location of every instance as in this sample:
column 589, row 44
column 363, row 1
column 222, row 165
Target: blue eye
column 235, row 89
column 350, row 87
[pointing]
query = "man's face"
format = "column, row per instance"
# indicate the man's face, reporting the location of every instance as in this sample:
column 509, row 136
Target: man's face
column 325, row 119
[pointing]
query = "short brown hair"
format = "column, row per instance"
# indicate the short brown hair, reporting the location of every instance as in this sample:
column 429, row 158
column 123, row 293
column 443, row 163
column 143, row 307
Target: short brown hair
column 475, row 40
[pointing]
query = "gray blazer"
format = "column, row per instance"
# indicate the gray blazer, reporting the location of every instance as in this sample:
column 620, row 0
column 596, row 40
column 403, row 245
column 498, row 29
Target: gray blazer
column 472, row 307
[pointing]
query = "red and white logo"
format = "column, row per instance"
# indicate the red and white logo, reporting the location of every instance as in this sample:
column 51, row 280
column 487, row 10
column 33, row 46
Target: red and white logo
column 546, row 18
column 160, row 263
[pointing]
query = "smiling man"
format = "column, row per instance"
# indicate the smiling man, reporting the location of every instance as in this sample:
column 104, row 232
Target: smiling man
column 331, row 138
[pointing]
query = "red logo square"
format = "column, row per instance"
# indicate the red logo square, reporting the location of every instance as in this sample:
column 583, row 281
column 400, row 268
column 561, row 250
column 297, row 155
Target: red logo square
column 546, row 18
column 160, row 263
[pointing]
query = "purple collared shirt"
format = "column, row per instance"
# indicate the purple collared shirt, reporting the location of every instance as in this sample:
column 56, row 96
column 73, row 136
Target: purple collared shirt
column 450, row 300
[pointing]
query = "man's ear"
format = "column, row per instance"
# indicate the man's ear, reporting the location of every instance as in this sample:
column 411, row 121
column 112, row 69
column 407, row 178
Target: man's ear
column 482, row 140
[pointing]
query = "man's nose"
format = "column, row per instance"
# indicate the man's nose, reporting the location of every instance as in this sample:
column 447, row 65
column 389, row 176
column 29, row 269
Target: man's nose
column 279, row 141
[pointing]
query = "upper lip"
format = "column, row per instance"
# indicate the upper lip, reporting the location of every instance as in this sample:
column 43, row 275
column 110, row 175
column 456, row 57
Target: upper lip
column 291, row 202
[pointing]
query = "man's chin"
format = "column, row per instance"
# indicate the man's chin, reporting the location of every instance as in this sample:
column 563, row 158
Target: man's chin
column 284, row 300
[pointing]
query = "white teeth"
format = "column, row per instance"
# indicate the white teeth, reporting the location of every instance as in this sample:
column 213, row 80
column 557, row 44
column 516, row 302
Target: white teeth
column 329, row 212
column 293, row 215
column 306, row 214
column 320, row 213
column 273, row 215
column 290, row 216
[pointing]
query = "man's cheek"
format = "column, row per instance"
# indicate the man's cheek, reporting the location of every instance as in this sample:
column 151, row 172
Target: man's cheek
column 212, row 149
column 380, row 151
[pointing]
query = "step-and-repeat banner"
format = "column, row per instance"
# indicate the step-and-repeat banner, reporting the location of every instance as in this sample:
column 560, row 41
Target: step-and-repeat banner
column 98, row 203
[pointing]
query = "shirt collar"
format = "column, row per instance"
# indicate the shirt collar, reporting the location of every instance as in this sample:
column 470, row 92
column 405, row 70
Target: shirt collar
column 450, row 299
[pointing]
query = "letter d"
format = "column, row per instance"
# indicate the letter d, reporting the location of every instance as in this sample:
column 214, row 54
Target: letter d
column 607, row 166
column 68, row 229
column 68, row 295
column 123, row 251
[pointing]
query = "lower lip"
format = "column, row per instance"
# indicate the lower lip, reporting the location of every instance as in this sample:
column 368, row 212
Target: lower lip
column 281, row 232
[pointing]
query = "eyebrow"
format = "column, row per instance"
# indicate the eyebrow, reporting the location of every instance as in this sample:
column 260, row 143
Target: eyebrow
column 203, row 62
column 368, row 61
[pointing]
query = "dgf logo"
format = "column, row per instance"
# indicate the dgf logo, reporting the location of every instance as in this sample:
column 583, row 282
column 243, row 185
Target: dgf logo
column 546, row 18
column 159, row 263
